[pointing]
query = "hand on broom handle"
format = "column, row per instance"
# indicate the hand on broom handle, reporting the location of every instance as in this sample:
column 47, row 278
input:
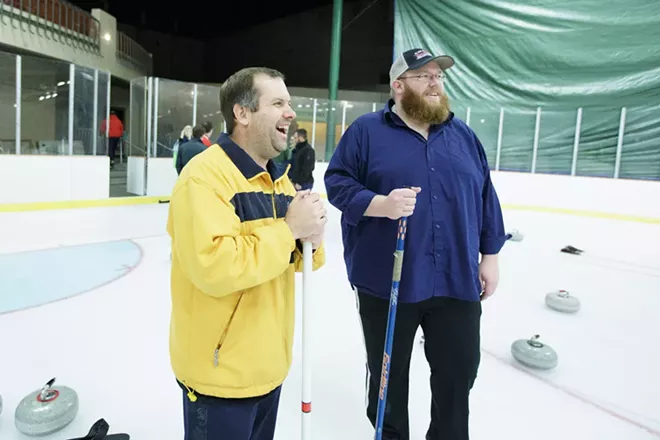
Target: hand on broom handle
column 391, row 319
column 306, row 343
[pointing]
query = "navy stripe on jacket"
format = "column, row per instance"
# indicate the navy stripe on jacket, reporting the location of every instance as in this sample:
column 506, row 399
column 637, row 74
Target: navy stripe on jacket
column 256, row 205
column 457, row 215
column 259, row 205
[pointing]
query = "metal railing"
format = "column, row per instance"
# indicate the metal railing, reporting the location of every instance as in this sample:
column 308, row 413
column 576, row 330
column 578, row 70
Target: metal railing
column 129, row 50
column 66, row 23
column 56, row 19
column 141, row 151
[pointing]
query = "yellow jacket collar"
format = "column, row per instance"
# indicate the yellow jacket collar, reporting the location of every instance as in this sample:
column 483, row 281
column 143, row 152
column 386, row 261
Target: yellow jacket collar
column 246, row 165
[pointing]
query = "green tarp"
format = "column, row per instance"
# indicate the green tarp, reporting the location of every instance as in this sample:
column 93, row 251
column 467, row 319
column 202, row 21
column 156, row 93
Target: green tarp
column 514, row 56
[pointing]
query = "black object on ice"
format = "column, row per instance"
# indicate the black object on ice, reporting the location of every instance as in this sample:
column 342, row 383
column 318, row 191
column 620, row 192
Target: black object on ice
column 571, row 250
column 99, row 431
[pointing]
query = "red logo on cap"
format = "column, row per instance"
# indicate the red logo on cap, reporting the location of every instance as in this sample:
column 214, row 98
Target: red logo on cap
column 421, row 54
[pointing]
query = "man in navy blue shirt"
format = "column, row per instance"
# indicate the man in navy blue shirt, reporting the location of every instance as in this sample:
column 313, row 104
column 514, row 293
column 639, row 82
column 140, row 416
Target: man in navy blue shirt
column 416, row 158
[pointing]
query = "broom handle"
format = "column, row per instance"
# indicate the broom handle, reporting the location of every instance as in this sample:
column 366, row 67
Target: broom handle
column 391, row 319
column 307, row 343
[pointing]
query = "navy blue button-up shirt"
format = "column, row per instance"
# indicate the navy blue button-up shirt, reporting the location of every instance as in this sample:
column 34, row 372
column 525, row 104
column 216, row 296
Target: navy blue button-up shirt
column 457, row 215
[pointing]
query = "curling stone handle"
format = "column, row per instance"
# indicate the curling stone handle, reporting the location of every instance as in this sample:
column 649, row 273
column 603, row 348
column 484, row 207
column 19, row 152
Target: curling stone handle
column 46, row 388
column 533, row 341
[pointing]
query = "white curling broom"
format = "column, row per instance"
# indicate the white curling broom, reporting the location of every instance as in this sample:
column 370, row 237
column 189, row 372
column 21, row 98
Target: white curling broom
column 306, row 343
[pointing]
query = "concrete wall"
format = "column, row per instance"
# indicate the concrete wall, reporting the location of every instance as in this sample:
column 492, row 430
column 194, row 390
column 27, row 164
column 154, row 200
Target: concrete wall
column 27, row 37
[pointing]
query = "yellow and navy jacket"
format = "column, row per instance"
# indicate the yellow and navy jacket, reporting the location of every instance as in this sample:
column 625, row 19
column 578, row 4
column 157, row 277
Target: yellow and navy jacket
column 232, row 280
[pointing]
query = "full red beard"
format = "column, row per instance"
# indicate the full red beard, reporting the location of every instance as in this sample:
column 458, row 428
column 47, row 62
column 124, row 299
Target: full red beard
column 419, row 109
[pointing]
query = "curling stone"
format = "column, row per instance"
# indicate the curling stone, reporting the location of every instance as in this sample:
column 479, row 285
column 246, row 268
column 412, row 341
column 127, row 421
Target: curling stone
column 516, row 235
column 47, row 410
column 534, row 354
column 562, row 301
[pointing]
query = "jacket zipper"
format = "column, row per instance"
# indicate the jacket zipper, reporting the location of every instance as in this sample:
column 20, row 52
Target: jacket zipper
column 216, row 352
column 272, row 199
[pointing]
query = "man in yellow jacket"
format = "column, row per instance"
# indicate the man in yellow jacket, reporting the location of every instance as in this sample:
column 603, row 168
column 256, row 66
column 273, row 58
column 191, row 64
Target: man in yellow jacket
column 237, row 226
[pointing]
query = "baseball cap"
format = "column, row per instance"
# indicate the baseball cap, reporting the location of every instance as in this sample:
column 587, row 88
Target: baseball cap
column 414, row 59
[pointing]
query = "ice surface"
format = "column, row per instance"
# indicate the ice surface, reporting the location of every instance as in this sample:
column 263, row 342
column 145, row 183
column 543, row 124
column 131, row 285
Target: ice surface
column 111, row 343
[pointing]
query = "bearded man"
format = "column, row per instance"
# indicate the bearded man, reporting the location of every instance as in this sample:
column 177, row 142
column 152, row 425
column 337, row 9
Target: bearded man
column 416, row 159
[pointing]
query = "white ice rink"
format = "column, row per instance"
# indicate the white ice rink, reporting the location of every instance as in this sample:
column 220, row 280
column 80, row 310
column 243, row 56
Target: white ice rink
column 110, row 343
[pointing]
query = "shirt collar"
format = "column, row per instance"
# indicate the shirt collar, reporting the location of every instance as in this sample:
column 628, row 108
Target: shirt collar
column 245, row 164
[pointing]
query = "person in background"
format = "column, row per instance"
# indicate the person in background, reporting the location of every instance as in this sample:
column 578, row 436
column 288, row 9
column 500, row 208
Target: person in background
column 184, row 137
column 191, row 148
column 208, row 127
column 416, row 159
column 237, row 225
column 115, row 132
column 186, row 134
column 303, row 160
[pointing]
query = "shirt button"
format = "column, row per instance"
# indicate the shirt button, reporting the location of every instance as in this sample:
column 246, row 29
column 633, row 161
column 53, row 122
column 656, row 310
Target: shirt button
column 437, row 226
column 432, row 169
column 435, row 197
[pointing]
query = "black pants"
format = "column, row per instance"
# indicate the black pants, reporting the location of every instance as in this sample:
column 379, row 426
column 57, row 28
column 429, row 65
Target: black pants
column 452, row 348
column 112, row 147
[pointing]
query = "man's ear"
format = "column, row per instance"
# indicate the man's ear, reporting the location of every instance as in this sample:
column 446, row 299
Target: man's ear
column 241, row 114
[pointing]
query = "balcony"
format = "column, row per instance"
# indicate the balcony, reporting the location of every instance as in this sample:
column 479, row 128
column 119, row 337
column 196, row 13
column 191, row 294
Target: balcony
column 128, row 50
column 53, row 19
column 65, row 23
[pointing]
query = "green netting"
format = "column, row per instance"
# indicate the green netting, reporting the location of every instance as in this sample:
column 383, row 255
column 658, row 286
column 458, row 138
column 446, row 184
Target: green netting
column 516, row 56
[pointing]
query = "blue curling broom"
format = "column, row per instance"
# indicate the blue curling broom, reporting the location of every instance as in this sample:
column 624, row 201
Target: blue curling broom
column 389, row 334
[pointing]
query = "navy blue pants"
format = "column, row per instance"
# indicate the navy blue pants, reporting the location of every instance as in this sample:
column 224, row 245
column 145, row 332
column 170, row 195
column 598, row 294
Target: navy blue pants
column 212, row 418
